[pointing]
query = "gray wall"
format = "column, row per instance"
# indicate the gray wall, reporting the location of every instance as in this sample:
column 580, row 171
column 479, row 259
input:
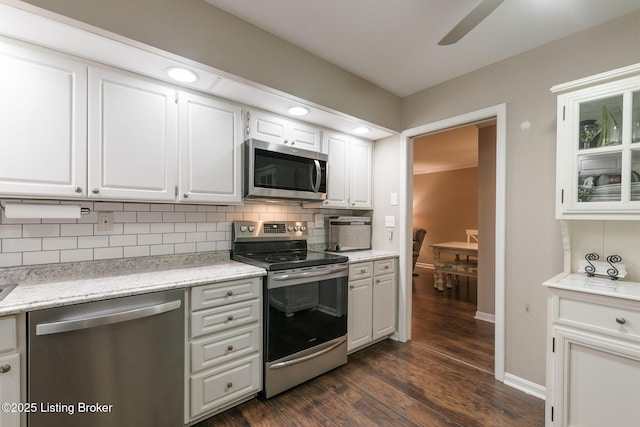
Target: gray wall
column 198, row 31
column 533, row 239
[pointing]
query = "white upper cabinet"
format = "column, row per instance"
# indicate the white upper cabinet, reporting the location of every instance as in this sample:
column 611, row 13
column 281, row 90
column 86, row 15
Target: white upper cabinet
column 132, row 137
column 43, row 133
column 210, row 141
column 278, row 130
column 349, row 176
column 598, row 146
column 337, row 147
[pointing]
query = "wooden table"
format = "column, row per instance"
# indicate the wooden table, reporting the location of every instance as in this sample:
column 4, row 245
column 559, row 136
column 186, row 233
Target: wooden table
column 460, row 267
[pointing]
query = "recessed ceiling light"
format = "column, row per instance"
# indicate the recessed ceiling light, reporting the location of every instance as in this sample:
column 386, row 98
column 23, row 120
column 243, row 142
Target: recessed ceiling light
column 182, row 75
column 298, row 111
column 361, row 130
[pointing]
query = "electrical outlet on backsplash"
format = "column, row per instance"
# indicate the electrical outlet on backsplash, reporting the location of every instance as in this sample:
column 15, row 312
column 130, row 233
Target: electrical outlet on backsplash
column 140, row 229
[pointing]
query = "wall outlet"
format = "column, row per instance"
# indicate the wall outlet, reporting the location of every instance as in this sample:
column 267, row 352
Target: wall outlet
column 390, row 221
column 105, row 221
column 319, row 221
column 389, row 234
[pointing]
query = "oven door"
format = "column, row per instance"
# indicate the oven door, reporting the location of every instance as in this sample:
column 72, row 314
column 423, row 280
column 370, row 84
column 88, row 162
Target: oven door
column 305, row 314
column 304, row 308
column 283, row 172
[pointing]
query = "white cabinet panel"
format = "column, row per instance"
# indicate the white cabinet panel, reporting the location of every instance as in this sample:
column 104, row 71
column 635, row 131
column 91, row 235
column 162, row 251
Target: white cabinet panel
column 384, row 305
column 43, row 134
column 132, row 137
column 360, row 313
column 210, row 150
column 337, row 147
column 10, row 388
column 361, row 156
column 279, row 130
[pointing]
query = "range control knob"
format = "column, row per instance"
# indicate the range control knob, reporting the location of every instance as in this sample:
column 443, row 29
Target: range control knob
column 302, row 228
column 290, row 228
column 297, row 228
column 243, row 228
column 251, row 228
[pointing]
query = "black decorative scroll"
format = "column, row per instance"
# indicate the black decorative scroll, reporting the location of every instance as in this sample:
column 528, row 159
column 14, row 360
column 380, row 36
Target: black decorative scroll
column 590, row 269
column 613, row 271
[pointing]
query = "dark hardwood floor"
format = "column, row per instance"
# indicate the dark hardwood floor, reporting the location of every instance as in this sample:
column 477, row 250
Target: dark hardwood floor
column 442, row 377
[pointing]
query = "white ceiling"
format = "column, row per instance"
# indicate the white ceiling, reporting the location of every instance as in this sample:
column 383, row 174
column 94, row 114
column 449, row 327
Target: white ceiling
column 393, row 43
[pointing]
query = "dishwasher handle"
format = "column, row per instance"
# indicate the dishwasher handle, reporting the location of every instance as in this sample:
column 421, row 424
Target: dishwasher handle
column 107, row 319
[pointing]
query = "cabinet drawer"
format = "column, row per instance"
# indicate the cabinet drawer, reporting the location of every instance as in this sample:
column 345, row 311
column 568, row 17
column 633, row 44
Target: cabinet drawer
column 384, row 266
column 221, row 318
column 213, row 350
column 8, row 334
column 217, row 294
column 360, row 270
column 216, row 388
column 599, row 317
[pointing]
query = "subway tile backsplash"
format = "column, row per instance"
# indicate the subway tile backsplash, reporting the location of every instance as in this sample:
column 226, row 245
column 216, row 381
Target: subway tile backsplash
column 139, row 229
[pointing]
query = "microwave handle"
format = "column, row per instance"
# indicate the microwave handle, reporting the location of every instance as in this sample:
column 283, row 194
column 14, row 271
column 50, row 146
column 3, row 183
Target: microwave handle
column 316, row 187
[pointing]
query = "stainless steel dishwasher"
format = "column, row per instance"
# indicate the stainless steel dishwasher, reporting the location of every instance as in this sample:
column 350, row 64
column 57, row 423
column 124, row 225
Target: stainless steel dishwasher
column 111, row 363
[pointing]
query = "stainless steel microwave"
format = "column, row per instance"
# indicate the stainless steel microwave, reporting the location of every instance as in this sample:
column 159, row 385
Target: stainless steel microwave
column 278, row 171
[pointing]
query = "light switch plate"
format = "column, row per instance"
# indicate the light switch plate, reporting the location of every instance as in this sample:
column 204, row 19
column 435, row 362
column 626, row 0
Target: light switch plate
column 390, row 221
column 319, row 221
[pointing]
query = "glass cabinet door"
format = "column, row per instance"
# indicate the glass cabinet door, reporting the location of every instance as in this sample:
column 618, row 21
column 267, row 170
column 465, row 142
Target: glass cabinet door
column 600, row 123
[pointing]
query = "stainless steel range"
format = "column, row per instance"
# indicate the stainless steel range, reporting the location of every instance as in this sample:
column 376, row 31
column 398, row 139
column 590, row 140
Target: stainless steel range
column 305, row 301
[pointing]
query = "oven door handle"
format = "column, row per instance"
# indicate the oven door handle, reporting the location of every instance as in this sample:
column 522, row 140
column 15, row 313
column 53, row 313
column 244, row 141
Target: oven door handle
column 304, row 274
column 287, row 363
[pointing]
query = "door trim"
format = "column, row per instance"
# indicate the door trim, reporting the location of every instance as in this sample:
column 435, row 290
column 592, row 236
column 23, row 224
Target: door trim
column 498, row 112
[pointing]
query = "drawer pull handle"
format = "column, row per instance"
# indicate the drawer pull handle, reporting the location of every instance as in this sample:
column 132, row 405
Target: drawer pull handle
column 230, row 317
column 386, row 267
column 230, row 348
column 229, row 293
column 229, row 384
column 362, row 271
column 621, row 320
column 4, row 369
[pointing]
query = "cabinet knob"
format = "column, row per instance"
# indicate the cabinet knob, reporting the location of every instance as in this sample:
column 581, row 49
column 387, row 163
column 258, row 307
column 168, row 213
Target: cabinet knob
column 78, row 189
column 229, row 384
column 229, row 348
column 351, row 287
column 286, row 142
column 229, row 293
column 353, row 204
column 362, row 271
column 621, row 320
column 95, row 190
column 230, row 317
column 185, row 195
column 4, row 369
column 377, row 280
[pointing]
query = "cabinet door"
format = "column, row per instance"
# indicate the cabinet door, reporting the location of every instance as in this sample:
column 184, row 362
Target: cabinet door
column 597, row 380
column 304, row 136
column 210, row 133
column 44, row 114
column 337, row 147
column 132, row 137
column 384, row 305
column 267, row 127
column 10, row 388
column 360, row 313
column 360, row 158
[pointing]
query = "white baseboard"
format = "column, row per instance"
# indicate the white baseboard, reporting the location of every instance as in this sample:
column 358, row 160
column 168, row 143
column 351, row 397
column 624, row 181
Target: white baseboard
column 485, row 317
column 528, row 387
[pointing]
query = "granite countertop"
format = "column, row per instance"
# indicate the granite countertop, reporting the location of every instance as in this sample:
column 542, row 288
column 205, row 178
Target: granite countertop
column 367, row 255
column 57, row 285
column 595, row 285
column 64, row 284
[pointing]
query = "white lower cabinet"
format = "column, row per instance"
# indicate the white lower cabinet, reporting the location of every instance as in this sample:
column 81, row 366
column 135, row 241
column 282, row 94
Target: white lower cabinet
column 593, row 376
column 372, row 302
column 11, row 376
column 224, row 348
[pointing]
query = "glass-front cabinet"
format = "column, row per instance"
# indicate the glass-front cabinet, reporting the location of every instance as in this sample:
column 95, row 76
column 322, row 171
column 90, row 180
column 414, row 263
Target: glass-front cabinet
column 598, row 146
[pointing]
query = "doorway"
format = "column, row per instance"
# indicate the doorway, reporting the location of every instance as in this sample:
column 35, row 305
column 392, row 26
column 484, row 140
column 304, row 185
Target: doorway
column 406, row 211
column 454, row 193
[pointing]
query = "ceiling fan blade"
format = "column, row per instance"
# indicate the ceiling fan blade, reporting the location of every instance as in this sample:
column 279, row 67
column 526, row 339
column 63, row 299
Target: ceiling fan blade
column 470, row 21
